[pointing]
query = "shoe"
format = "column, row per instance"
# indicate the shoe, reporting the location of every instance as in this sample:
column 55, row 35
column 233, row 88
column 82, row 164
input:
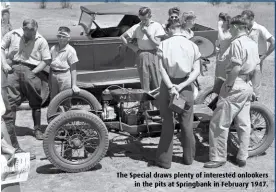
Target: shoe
column 214, row 164
column 38, row 135
column 19, row 150
column 240, row 163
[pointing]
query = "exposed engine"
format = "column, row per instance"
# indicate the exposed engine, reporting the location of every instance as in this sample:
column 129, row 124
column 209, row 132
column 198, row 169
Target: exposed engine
column 129, row 112
column 119, row 105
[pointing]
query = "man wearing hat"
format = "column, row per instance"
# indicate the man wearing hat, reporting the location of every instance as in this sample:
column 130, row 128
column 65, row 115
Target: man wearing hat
column 29, row 53
column 63, row 66
column 235, row 97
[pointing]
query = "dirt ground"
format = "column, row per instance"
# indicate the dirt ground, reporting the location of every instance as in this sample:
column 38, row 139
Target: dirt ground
column 132, row 157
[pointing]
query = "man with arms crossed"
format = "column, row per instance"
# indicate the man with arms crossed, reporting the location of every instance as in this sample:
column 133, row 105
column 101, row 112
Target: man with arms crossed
column 234, row 98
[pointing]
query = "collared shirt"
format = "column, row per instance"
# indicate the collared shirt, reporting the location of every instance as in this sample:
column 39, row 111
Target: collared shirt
column 188, row 33
column 179, row 55
column 32, row 52
column 244, row 52
column 260, row 35
column 64, row 58
column 144, row 43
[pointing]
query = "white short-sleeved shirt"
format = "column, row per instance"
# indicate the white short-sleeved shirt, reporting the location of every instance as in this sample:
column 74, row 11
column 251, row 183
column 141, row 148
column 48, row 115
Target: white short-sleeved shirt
column 260, row 35
column 179, row 55
column 244, row 52
column 188, row 33
column 31, row 52
column 63, row 59
column 143, row 42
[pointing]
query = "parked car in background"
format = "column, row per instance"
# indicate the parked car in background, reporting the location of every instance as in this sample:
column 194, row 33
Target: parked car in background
column 103, row 59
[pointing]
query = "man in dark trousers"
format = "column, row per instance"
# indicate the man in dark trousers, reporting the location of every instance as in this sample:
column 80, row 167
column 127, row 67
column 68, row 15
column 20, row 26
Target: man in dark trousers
column 29, row 53
column 179, row 63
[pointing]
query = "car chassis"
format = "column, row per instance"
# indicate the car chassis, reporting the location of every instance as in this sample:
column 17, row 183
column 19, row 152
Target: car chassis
column 115, row 115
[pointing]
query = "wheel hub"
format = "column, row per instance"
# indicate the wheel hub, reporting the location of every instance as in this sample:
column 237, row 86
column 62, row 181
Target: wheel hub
column 76, row 142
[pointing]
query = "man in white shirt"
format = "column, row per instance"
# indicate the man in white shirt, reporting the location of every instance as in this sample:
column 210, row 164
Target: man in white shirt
column 148, row 34
column 179, row 63
column 261, row 36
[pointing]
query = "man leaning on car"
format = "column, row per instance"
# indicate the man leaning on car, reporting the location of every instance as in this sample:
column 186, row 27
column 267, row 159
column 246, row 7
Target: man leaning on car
column 148, row 34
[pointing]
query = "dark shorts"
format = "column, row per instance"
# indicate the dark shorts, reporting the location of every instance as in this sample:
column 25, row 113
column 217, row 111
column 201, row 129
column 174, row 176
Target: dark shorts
column 23, row 83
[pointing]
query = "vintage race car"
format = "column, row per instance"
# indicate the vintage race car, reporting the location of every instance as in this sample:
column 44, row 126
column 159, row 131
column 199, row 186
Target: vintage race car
column 104, row 60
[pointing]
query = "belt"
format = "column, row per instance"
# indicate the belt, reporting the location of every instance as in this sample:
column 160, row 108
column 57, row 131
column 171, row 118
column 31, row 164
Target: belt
column 59, row 71
column 178, row 80
column 22, row 63
column 152, row 50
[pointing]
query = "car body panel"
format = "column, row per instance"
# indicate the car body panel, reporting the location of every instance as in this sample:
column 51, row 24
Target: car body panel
column 105, row 60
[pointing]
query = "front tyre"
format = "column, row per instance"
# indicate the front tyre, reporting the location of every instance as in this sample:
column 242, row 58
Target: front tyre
column 76, row 141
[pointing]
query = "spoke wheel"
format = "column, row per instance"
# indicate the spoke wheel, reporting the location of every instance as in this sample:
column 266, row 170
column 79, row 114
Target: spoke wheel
column 67, row 101
column 76, row 141
column 262, row 131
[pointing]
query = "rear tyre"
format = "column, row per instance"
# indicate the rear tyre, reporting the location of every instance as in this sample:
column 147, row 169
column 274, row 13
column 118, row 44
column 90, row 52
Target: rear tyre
column 259, row 113
column 76, row 140
column 84, row 96
column 262, row 123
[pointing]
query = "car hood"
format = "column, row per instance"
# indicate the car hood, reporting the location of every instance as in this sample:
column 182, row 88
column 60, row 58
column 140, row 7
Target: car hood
column 50, row 33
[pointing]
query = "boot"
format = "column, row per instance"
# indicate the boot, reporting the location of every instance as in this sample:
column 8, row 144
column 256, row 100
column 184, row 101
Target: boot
column 11, row 130
column 36, row 113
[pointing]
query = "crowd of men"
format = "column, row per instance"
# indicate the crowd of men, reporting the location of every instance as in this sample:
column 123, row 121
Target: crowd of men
column 167, row 59
column 169, row 52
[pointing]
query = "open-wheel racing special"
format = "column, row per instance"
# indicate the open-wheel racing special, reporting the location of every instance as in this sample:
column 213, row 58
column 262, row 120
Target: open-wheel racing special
column 76, row 139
